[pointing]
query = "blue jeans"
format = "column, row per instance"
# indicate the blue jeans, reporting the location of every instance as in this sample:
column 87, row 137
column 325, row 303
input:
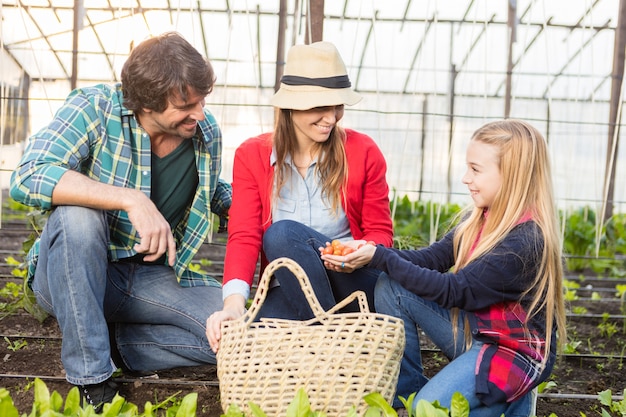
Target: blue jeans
column 458, row 376
column 285, row 299
column 158, row 324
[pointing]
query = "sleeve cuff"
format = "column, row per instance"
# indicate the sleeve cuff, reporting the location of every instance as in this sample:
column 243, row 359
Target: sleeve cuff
column 236, row 286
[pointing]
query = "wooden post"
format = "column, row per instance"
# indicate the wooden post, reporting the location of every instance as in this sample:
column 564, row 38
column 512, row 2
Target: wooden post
column 614, row 111
column 511, row 24
column 280, row 47
column 78, row 25
column 315, row 22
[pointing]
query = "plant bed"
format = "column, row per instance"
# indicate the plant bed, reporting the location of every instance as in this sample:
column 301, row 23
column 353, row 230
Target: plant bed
column 594, row 364
column 578, row 378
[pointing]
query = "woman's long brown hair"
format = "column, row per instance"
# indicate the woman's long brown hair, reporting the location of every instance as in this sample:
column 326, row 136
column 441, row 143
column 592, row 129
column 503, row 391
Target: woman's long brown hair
column 332, row 163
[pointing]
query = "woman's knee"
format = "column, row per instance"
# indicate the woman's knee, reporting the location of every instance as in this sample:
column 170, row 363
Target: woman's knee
column 285, row 235
column 280, row 230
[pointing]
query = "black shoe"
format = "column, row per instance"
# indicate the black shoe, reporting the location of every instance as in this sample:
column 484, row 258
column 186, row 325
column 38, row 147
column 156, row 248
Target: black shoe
column 97, row 395
column 139, row 374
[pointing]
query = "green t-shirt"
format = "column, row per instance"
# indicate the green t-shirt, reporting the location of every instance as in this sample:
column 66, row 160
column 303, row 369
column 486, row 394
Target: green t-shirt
column 174, row 182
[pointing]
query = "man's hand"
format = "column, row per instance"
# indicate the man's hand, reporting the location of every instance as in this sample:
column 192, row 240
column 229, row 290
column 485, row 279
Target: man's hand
column 76, row 189
column 154, row 231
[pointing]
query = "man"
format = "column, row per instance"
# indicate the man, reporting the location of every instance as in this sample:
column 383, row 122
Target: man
column 130, row 174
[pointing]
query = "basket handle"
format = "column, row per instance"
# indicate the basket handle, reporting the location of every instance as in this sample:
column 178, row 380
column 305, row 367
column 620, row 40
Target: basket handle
column 305, row 284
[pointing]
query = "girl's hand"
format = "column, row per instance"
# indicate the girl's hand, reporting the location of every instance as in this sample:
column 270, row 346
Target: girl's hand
column 351, row 261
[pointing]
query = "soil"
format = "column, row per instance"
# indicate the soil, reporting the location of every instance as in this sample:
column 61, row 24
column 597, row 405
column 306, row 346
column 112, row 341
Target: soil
column 596, row 365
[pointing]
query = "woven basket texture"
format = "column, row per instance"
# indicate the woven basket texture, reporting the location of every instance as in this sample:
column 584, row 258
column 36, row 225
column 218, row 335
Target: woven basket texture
column 338, row 358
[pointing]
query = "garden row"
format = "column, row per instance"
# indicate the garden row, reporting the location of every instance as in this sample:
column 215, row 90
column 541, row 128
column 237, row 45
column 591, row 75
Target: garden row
column 593, row 361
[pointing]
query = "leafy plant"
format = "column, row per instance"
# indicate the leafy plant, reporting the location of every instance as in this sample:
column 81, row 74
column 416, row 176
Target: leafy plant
column 52, row 405
column 621, row 290
column 591, row 244
column 579, row 238
column 607, row 328
column 16, row 345
column 545, row 386
column 618, row 408
column 19, row 296
column 579, row 310
column 423, row 221
column 571, row 347
column 570, row 295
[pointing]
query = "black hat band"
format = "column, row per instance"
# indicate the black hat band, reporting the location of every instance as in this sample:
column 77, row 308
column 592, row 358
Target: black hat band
column 340, row 81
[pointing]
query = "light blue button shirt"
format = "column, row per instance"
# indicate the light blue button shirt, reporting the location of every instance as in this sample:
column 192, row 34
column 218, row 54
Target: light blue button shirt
column 301, row 200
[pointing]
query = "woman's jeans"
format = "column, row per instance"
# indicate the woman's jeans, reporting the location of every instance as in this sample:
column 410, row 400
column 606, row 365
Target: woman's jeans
column 458, row 376
column 285, row 299
column 158, row 324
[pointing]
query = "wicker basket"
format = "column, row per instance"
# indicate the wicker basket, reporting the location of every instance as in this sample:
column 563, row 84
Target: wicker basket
column 338, row 358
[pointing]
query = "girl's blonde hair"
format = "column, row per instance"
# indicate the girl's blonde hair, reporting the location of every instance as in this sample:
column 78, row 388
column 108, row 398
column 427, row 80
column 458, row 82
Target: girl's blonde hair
column 331, row 164
column 526, row 190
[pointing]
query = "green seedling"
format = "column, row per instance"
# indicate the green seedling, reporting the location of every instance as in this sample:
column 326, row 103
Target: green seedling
column 14, row 346
column 570, row 295
column 618, row 408
column 579, row 310
column 571, row 347
column 607, row 328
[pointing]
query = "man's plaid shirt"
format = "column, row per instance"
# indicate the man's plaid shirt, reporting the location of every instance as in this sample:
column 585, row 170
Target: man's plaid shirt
column 95, row 134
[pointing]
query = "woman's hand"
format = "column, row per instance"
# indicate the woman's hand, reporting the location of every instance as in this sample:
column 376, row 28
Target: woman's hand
column 234, row 307
column 354, row 260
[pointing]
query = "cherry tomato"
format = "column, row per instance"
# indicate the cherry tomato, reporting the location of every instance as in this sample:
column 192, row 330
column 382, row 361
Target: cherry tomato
column 328, row 250
column 347, row 250
column 336, row 243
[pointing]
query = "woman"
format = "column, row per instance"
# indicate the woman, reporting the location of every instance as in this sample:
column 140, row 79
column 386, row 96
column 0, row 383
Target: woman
column 308, row 183
column 495, row 279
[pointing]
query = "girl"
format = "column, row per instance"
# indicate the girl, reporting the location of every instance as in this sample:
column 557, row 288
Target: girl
column 489, row 293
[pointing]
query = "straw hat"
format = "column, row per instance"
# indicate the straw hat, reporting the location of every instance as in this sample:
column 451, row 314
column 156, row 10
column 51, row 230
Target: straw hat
column 315, row 76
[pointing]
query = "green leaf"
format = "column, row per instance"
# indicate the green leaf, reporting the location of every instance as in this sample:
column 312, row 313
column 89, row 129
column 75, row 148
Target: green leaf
column 56, row 401
column 300, row 405
column 546, row 385
column 605, row 397
column 372, row 411
column 7, row 408
column 426, row 409
column 408, row 403
column 148, row 409
column 30, row 304
column 41, row 404
column 72, row 402
column 188, row 406
column 234, row 410
column 255, row 410
column 459, row 406
column 375, row 399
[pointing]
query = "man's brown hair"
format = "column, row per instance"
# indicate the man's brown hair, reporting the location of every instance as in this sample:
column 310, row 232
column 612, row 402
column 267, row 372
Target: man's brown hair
column 161, row 66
